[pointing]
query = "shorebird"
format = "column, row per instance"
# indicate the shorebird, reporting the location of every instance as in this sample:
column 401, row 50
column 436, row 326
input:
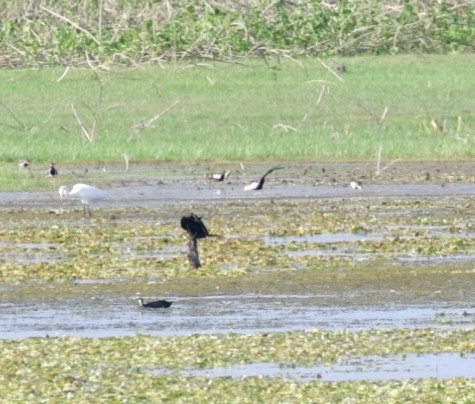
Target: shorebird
column 159, row 304
column 356, row 185
column 220, row 177
column 85, row 193
column 258, row 185
column 52, row 171
column 24, row 165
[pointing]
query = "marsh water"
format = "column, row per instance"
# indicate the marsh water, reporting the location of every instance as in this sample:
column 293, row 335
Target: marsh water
column 431, row 301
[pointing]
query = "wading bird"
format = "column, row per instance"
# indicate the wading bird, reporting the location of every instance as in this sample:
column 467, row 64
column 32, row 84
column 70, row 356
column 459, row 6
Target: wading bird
column 258, row 185
column 85, row 193
column 356, row 185
column 219, row 177
column 24, row 165
column 52, row 171
column 159, row 304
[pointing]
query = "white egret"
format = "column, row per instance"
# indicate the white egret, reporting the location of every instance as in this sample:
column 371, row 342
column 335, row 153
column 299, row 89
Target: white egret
column 52, row 171
column 85, row 193
column 258, row 185
column 159, row 304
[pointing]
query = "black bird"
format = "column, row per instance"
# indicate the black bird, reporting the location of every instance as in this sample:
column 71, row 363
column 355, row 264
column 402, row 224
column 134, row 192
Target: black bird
column 52, row 171
column 159, row 304
column 194, row 226
column 258, row 185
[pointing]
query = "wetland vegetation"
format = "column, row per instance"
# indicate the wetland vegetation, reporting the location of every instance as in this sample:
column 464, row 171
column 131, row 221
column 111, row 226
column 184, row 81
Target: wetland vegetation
column 142, row 98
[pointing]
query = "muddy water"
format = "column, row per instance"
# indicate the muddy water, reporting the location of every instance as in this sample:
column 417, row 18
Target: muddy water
column 103, row 317
column 418, row 302
column 391, row 367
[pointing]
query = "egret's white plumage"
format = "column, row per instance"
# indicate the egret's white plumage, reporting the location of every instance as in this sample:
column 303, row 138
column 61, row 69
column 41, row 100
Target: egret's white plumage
column 85, row 193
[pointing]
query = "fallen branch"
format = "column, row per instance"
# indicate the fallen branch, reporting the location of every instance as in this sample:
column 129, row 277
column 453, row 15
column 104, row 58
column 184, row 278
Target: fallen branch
column 378, row 170
column 136, row 129
column 25, row 128
column 61, row 17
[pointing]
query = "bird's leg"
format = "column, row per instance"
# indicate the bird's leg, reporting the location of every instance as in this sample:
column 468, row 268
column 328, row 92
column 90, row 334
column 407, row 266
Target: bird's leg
column 84, row 208
column 89, row 210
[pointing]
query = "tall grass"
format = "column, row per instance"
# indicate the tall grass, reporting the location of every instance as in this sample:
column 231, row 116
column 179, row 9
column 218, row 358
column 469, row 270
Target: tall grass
column 133, row 32
column 287, row 110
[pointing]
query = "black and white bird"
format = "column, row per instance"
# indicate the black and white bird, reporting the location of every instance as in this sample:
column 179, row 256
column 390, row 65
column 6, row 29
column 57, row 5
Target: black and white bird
column 85, row 193
column 52, row 171
column 356, row 185
column 220, row 177
column 195, row 227
column 159, row 304
column 258, row 185
column 24, row 165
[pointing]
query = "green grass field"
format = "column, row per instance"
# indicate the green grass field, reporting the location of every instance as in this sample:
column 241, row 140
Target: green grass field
column 280, row 110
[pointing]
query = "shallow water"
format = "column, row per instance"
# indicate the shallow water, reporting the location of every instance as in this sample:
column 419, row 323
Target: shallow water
column 244, row 314
column 370, row 368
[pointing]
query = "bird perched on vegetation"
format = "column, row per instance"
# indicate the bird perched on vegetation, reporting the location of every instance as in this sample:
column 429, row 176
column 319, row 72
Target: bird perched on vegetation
column 85, row 193
column 159, row 304
column 356, row 185
column 194, row 226
column 52, row 171
column 258, row 185
column 196, row 229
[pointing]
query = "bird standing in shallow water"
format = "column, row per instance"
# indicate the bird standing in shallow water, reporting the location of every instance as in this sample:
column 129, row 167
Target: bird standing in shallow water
column 24, row 165
column 52, row 171
column 159, row 304
column 356, row 185
column 85, row 193
column 219, row 177
column 258, row 185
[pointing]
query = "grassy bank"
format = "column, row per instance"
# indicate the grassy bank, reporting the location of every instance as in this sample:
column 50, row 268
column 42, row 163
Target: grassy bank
column 414, row 107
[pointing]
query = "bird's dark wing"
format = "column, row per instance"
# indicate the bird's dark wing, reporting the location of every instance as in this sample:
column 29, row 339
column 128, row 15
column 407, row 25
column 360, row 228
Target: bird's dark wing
column 158, row 304
column 194, row 226
column 271, row 170
column 261, row 181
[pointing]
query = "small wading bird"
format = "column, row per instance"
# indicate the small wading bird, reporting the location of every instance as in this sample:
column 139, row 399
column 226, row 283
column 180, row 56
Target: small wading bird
column 52, row 171
column 159, row 304
column 258, row 185
column 220, row 177
column 85, row 193
column 356, row 185
column 24, row 165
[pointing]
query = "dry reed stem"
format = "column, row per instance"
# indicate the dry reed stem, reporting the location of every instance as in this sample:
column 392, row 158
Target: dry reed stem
column 136, row 129
column 73, row 24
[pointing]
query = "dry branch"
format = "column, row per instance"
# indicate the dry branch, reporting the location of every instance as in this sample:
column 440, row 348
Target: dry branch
column 136, row 129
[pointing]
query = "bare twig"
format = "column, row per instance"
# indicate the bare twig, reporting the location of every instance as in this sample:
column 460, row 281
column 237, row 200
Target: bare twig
column 83, row 128
column 136, row 129
column 378, row 170
column 330, row 70
column 126, row 162
column 63, row 75
column 61, row 17
column 24, row 127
